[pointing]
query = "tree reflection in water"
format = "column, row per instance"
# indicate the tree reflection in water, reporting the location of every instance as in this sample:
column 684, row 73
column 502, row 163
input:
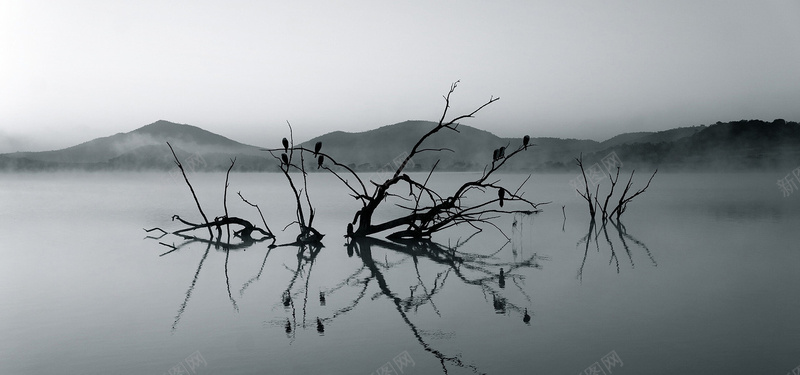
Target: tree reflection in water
column 593, row 235
column 481, row 271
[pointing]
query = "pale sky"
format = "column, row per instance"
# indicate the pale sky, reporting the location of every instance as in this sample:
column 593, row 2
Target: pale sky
column 71, row 71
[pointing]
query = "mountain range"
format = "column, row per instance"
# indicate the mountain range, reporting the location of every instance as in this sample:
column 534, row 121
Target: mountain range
column 738, row 145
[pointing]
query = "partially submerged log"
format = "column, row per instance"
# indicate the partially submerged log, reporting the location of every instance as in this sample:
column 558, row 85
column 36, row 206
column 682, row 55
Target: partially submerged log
column 246, row 231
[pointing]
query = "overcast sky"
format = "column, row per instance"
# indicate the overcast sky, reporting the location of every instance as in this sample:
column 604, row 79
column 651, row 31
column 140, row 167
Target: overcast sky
column 71, row 71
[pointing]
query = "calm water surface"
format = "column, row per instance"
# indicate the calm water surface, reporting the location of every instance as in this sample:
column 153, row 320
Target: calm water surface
column 700, row 278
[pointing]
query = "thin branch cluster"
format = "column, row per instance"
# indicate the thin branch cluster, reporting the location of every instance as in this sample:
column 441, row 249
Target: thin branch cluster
column 621, row 204
column 427, row 210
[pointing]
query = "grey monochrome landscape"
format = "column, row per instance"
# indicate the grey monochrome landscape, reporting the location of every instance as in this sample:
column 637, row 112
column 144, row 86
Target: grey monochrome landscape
column 399, row 188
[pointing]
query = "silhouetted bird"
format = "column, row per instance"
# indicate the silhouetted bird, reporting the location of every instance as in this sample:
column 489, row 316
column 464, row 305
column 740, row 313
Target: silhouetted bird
column 322, row 298
column 320, row 327
column 499, row 303
column 494, row 155
column 320, row 159
column 525, row 141
column 526, row 318
column 501, row 194
column 285, row 159
column 317, row 147
column 501, row 152
column 288, row 326
column 285, row 145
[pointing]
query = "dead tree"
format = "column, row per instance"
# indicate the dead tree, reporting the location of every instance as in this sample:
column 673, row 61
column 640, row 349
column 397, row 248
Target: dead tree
column 247, row 228
column 308, row 235
column 587, row 195
column 427, row 210
column 622, row 205
column 624, row 199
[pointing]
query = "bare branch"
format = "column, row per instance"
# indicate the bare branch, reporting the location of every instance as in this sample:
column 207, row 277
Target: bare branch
column 259, row 212
column 225, row 195
column 180, row 166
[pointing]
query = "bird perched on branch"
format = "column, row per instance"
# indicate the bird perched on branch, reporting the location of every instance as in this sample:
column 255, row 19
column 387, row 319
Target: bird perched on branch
column 320, row 159
column 501, row 194
column 317, row 147
column 285, row 144
column 499, row 153
column 285, row 159
column 525, row 140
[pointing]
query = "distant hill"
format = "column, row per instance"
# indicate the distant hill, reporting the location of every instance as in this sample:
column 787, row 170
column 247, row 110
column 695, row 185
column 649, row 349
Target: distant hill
column 143, row 148
column 746, row 144
column 651, row 137
column 467, row 149
column 737, row 145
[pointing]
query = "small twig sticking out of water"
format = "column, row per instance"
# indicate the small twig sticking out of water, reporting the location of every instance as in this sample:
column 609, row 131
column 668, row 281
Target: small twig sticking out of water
column 180, row 166
column 259, row 212
column 588, row 194
column 563, row 225
column 225, row 195
column 623, row 201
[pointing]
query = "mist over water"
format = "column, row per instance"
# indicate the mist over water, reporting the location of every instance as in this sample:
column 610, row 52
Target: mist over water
column 699, row 278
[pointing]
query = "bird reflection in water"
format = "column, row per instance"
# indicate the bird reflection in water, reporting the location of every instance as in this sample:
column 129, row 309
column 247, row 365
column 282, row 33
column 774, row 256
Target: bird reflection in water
column 499, row 304
column 456, row 263
column 484, row 272
column 320, row 326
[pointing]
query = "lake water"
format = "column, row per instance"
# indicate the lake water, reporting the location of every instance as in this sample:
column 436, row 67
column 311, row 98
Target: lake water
column 702, row 278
